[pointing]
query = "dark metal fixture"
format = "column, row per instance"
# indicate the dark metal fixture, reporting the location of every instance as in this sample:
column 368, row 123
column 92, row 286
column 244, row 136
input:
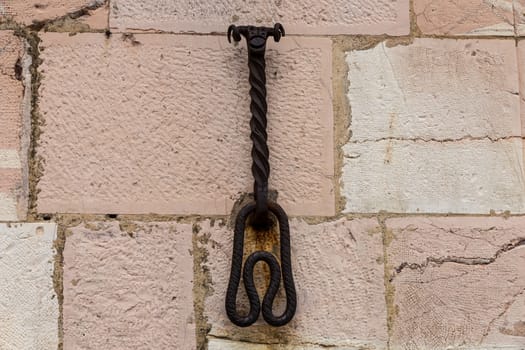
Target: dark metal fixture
column 258, row 214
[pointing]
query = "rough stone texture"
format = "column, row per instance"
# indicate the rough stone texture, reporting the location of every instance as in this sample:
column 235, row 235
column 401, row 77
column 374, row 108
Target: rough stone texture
column 465, row 17
column 31, row 11
column 129, row 286
column 28, row 303
column 160, row 123
column 15, row 125
column 436, row 128
column 298, row 17
column 459, row 282
column 435, row 89
column 338, row 270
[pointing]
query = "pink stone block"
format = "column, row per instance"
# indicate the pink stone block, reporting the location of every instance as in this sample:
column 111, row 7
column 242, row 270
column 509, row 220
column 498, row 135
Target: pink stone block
column 298, row 16
column 521, row 73
column 160, row 123
column 15, row 88
column 11, row 51
column 31, row 11
column 465, row 17
column 129, row 286
column 338, row 271
column 458, row 282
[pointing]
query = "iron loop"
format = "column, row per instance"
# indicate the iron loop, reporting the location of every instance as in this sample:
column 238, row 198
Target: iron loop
column 276, row 273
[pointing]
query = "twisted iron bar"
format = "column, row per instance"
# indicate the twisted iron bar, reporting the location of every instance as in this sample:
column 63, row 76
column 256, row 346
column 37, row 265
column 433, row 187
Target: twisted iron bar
column 259, row 136
column 256, row 38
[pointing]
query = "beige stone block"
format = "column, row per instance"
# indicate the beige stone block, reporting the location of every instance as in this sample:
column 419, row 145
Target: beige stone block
column 298, row 16
column 32, row 11
column 28, row 302
column 15, row 109
column 339, row 276
column 469, row 177
column 160, row 123
column 465, row 17
column 435, row 90
column 129, row 286
column 9, row 185
column 458, row 282
column 436, row 128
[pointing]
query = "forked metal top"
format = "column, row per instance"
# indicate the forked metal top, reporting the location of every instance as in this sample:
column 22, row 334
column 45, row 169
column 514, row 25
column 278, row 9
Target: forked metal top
column 256, row 36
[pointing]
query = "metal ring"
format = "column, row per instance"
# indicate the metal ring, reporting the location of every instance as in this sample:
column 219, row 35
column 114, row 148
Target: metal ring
column 276, row 272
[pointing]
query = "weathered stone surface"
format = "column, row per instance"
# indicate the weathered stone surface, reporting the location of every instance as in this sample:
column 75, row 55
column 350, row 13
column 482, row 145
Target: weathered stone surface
column 466, row 17
column 28, row 303
column 160, row 123
column 436, row 128
column 459, row 282
column 15, row 109
column 434, row 177
column 31, row 11
column 299, row 17
column 435, row 89
column 338, row 271
column 129, row 286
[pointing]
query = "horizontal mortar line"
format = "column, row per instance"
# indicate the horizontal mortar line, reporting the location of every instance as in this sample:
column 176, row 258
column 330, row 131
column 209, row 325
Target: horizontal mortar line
column 114, row 30
column 139, row 31
column 381, row 37
column 148, row 218
column 247, row 341
column 445, row 140
column 10, row 159
column 468, row 37
column 393, row 215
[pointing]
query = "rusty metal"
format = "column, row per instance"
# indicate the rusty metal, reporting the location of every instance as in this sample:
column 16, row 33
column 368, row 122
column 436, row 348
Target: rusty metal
column 258, row 214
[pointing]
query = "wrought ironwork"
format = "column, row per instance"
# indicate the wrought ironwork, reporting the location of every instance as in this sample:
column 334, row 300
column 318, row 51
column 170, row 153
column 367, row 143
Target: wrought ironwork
column 258, row 214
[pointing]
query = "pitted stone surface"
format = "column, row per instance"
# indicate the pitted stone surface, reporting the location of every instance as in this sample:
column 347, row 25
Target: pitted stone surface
column 298, row 16
column 435, row 127
column 30, row 11
column 459, row 282
column 28, row 303
column 129, row 286
column 162, row 124
column 15, row 81
column 338, row 271
column 435, row 89
column 466, row 17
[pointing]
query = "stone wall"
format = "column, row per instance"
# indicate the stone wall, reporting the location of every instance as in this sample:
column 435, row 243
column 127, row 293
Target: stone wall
column 396, row 138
